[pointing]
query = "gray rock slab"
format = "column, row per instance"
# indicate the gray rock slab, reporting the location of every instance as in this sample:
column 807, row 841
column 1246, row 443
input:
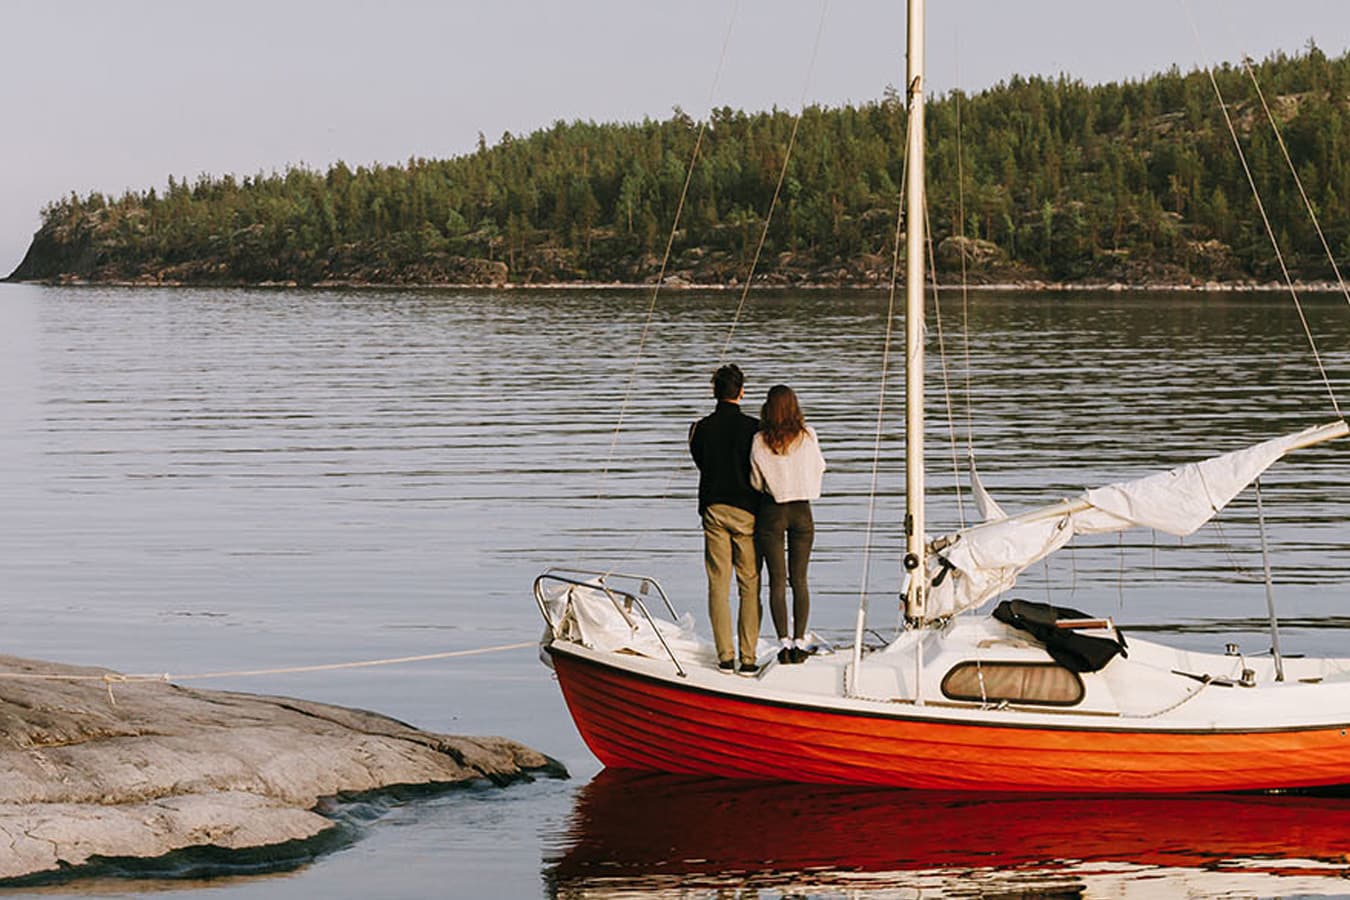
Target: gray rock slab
column 92, row 767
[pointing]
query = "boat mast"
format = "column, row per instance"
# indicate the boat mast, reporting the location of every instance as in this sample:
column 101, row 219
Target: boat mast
column 916, row 594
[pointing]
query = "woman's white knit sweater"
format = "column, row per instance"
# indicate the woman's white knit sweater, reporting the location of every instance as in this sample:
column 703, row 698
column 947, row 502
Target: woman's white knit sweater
column 794, row 475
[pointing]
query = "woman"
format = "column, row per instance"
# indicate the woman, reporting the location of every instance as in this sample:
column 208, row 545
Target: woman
column 786, row 463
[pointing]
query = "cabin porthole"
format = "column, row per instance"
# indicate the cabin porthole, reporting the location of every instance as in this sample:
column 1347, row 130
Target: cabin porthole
column 1043, row 684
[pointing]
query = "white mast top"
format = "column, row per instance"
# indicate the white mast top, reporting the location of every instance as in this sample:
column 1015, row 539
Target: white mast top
column 915, row 564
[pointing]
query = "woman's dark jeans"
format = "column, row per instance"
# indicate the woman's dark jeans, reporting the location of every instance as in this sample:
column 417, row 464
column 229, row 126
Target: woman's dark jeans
column 773, row 523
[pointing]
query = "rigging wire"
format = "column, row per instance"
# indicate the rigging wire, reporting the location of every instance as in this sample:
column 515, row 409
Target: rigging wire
column 965, row 280
column 1120, row 574
column 665, row 258
column 869, row 528
column 768, row 219
column 1270, row 589
column 1293, row 170
column 778, row 188
column 952, row 438
column 952, row 432
column 1227, row 546
column 1261, row 208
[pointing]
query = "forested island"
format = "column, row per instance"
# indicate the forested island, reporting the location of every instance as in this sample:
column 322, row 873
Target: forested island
column 1132, row 183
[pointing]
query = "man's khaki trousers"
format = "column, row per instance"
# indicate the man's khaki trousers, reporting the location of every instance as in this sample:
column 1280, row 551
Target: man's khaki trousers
column 729, row 547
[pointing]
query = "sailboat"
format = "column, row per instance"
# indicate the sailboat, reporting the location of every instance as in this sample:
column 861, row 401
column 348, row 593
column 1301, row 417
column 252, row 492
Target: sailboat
column 1032, row 698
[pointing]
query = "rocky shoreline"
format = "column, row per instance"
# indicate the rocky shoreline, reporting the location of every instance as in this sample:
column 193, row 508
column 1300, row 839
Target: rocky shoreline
column 1028, row 286
column 60, row 259
column 104, row 775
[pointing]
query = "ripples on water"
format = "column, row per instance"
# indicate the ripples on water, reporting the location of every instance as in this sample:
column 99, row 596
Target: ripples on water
column 227, row 479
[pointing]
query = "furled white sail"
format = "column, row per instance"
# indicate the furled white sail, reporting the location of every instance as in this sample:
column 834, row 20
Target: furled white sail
column 971, row 566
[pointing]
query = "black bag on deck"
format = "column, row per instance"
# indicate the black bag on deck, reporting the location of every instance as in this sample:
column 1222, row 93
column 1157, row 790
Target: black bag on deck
column 1074, row 651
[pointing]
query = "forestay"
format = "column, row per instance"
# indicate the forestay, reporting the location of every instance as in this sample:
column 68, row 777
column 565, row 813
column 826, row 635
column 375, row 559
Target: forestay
column 973, row 565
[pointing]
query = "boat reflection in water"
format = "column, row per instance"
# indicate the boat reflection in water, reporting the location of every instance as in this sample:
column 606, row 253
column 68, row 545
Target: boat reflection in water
column 644, row 834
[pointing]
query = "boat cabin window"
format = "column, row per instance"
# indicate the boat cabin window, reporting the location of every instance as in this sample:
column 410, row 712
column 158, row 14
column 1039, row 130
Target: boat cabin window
column 1016, row 682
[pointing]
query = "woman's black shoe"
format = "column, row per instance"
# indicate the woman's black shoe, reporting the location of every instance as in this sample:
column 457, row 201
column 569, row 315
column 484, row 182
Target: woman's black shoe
column 785, row 656
column 799, row 655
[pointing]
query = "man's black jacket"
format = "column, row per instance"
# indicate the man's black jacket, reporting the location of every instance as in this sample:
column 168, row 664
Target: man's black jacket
column 720, row 445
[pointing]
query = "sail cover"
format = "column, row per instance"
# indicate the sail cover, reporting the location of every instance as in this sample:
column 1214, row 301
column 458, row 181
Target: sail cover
column 971, row 566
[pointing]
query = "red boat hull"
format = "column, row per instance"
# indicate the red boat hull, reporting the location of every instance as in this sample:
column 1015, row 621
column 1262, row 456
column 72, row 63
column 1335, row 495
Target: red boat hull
column 630, row 720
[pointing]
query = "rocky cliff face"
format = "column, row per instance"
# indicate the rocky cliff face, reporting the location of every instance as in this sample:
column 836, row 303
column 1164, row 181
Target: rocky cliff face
column 89, row 248
column 56, row 252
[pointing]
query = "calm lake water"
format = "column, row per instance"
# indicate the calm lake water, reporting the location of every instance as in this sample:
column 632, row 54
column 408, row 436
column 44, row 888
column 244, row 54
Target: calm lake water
column 203, row 480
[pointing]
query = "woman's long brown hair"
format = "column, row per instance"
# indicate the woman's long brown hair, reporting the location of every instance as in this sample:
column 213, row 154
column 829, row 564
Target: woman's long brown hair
column 780, row 419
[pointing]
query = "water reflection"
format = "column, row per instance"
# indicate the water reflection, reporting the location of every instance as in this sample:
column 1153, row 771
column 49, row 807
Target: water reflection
column 641, row 834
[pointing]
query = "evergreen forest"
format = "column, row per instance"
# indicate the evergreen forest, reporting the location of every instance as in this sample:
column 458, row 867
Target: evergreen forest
column 1033, row 179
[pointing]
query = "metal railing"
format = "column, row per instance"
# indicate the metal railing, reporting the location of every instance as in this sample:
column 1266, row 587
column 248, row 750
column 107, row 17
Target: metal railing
column 624, row 601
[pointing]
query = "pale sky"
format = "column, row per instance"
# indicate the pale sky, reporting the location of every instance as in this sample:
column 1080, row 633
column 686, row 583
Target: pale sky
column 103, row 95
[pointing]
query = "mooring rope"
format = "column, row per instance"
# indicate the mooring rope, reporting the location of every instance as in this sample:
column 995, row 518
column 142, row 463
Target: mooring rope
column 130, row 677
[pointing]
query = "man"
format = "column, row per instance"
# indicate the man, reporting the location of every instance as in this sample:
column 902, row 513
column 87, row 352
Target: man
column 720, row 444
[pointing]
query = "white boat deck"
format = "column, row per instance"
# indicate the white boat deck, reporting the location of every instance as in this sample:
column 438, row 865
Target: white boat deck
column 1154, row 686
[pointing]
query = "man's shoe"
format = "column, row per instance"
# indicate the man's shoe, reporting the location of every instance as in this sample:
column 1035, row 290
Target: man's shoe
column 727, row 666
column 749, row 670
